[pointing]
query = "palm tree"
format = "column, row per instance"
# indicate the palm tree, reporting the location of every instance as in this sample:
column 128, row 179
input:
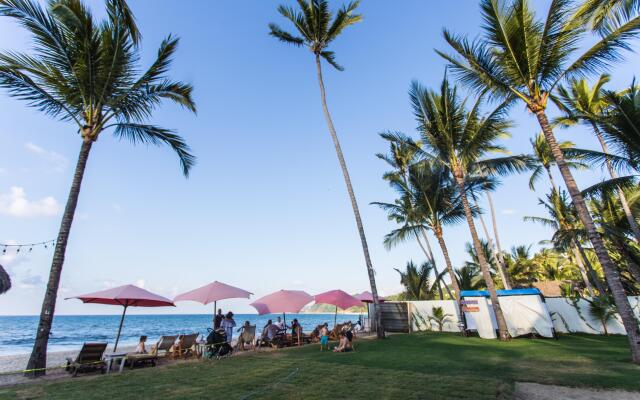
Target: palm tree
column 522, row 270
column 416, row 280
column 317, row 28
column 439, row 317
column 5, row 281
column 567, row 233
column 584, row 104
column 401, row 158
column 85, row 72
column 542, row 159
column 520, row 57
column 603, row 309
column 604, row 16
column 458, row 139
column 468, row 277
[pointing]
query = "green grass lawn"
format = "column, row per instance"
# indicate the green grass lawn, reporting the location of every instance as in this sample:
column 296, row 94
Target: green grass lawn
column 418, row 366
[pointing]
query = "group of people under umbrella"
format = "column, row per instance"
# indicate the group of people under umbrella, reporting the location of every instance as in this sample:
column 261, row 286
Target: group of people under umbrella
column 280, row 302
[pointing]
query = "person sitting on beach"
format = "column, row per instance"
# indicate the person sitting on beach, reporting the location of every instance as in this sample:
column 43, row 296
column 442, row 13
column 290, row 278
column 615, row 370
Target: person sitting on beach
column 279, row 324
column 242, row 338
column 343, row 345
column 296, row 331
column 228, row 323
column 140, row 348
column 324, row 336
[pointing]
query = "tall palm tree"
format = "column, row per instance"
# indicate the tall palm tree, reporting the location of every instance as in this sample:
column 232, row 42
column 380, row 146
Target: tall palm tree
column 317, row 28
column 401, row 157
column 458, row 139
column 567, row 232
column 84, row 72
column 584, row 104
column 519, row 56
column 541, row 159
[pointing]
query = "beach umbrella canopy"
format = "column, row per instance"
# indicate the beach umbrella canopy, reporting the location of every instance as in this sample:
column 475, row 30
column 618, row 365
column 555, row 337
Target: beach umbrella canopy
column 367, row 297
column 125, row 296
column 338, row 298
column 213, row 292
column 282, row 301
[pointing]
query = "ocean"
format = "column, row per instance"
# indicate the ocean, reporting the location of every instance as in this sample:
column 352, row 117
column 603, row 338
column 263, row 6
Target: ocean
column 17, row 333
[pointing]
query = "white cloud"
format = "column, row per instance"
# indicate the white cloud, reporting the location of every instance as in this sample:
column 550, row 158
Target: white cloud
column 16, row 204
column 58, row 161
column 116, row 207
column 508, row 211
column 140, row 283
column 11, row 258
column 30, row 281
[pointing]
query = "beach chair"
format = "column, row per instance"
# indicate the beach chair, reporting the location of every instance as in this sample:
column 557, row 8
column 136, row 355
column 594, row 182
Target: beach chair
column 88, row 359
column 185, row 348
column 248, row 336
column 163, row 347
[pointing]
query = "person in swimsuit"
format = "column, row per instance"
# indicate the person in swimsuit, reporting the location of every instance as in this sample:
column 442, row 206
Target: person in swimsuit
column 324, row 336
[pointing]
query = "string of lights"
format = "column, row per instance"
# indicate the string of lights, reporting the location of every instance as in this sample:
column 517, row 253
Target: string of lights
column 29, row 246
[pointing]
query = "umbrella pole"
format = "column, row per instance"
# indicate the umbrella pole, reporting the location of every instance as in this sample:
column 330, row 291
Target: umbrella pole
column 215, row 312
column 284, row 319
column 119, row 329
column 335, row 317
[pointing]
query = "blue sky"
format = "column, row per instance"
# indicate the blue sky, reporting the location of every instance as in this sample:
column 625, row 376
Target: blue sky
column 265, row 207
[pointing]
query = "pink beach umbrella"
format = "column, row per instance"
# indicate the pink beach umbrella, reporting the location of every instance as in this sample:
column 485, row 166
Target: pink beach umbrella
column 213, row 292
column 125, row 296
column 338, row 298
column 282, row 301
column 367, row 297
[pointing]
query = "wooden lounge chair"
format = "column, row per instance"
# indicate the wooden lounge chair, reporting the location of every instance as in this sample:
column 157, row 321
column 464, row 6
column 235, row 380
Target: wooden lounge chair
column 88, row 359
column 161, row 349
column 247, row 336
column 164, row 345
column 185, row 348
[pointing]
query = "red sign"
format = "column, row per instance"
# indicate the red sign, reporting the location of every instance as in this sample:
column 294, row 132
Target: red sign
column 470, row 309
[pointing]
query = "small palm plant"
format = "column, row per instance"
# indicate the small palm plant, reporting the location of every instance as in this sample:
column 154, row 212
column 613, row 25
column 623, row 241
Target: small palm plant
column 86, row 72
column 603, row 309
column 317, row 28
column 439, row 317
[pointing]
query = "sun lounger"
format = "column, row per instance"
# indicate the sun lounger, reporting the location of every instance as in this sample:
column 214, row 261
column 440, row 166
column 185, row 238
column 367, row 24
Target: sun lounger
column 88, row 359
column 248, row 336
column 164, row 345
column 185, row 348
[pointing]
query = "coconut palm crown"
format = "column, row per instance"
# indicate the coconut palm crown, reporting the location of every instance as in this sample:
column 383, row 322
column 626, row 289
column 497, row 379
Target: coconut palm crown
column 316, row 26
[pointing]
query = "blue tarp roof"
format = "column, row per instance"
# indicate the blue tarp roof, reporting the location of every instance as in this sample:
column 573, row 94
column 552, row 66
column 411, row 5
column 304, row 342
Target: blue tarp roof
column 512, row 292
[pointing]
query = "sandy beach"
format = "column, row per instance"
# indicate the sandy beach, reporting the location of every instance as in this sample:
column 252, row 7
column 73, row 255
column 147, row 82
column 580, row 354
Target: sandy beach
column 16, row 363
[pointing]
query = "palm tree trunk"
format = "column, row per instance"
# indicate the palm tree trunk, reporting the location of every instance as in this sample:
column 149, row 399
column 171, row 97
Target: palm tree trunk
column 634, row 269
column 508, row 283
column 354, row 203
column 452, row 275
column 553, row 183
column 583, row 271
column 611, row 273
column 501, row 270
column 433, row 263
column 484, row 266
column 623, row 199
column 38, row 360
column 592, row 272
column 435, row 268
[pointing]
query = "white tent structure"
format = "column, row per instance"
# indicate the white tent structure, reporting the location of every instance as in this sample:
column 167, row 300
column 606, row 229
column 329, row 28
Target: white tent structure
column 524, row 310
